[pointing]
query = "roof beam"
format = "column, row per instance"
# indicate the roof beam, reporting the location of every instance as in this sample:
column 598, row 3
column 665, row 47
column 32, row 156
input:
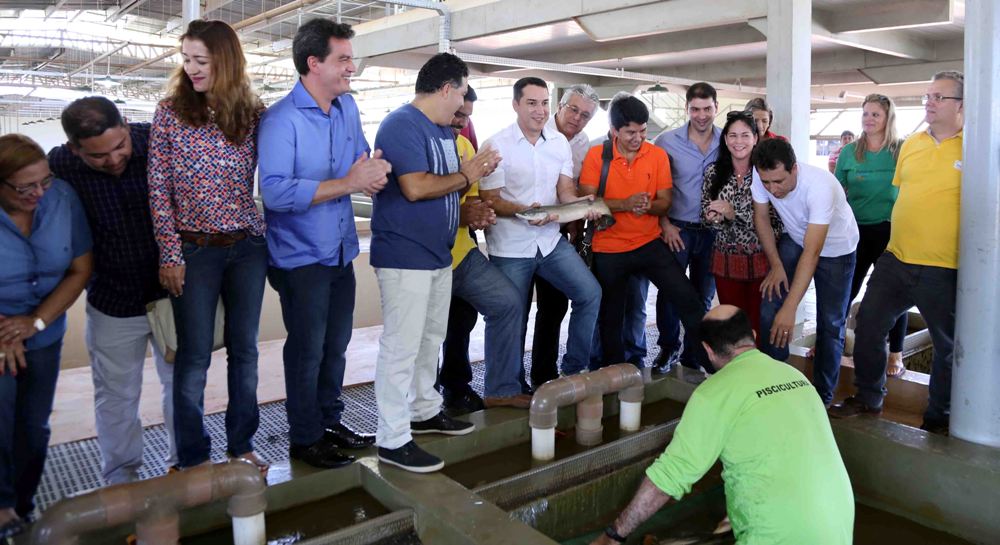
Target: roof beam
column 121, row 11
column 672, row 16
column 97, row 59
column 54, row 8
column 889, row 42
column 418, row 28
column 212, row 5
column 873, row 16
column 870, row 66
column 665, row 43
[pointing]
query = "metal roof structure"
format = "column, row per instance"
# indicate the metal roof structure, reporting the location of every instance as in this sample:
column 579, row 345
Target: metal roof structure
column 51, row 50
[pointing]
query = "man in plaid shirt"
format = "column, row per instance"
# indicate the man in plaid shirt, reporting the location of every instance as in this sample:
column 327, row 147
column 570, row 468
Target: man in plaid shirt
column 105, row 162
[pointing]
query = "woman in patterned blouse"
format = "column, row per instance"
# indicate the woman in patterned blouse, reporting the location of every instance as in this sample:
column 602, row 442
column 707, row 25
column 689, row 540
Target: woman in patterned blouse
column 202, row 157
column 738, row 261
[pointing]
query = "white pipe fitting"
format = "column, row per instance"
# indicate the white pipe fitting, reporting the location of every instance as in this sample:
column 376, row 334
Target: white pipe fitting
column 249, row 530
column 543, row 443
column 629, row 415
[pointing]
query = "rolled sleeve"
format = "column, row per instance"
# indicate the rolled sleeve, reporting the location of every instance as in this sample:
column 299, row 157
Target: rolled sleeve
column 282, row 192
column 695, row 447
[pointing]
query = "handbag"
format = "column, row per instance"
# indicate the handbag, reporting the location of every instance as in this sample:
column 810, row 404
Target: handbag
column 160, row 315
column 584, row 244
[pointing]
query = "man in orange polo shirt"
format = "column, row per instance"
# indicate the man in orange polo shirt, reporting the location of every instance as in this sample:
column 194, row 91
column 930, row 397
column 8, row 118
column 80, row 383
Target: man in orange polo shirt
column 637, row 191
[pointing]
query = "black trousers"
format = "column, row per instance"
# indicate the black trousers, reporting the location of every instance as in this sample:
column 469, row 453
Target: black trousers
column 552, row 306
column 872, row 243
column 654, row 261
column 455, row 374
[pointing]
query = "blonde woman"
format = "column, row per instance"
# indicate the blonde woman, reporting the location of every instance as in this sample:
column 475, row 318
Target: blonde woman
column 202, row 159
column 865, row 168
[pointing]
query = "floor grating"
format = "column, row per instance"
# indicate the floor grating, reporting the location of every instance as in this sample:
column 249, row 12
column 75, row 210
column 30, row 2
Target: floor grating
column 75, row 467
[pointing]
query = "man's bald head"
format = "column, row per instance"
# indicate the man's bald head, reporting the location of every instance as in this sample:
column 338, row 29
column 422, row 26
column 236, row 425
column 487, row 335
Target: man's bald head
column 724, row 329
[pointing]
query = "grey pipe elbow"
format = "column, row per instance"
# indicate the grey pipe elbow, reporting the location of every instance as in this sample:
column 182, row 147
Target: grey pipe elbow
column 551, row 396
column 242, row 483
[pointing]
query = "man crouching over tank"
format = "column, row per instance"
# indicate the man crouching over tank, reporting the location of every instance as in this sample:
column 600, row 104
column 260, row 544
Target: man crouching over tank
column 785, row 481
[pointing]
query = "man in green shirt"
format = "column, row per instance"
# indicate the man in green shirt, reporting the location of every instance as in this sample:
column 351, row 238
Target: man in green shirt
column 785, row 481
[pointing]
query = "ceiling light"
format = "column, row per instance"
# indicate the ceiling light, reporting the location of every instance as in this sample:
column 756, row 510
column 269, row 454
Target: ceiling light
column 106, row 81
column 657, row 89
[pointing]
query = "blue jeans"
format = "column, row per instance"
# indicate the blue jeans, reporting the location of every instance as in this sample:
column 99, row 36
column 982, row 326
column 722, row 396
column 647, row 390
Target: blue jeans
column 317, row 307
column 564, row 269
column 893, row 288
column 237, row 274
column 833, row 295
column 25, row 406
column 697, row 254
column 491, row 293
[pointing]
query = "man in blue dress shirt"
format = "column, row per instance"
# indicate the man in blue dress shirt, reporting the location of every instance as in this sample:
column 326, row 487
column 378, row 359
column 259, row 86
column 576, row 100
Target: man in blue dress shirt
column 313, row 156
column 691, row 147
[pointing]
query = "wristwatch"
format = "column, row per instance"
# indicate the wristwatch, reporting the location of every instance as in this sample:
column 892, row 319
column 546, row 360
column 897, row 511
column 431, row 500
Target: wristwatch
column 39, row 324
column 613, row 534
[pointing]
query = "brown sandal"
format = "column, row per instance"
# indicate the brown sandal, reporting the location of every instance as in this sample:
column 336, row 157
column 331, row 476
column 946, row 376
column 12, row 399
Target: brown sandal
column 894, row 366
column 252, row 457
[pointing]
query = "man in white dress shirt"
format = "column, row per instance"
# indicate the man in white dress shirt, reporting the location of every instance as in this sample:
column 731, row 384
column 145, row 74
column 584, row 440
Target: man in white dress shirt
column 538, row 170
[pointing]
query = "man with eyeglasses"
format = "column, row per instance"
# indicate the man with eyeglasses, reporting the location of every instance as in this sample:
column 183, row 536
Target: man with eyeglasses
column 691, row 147
column 576, row 109
column 920, row 265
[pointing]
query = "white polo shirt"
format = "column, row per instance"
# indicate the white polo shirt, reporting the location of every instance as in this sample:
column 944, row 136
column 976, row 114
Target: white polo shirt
column 817, row 198
column 527, row 174
column 579, row 144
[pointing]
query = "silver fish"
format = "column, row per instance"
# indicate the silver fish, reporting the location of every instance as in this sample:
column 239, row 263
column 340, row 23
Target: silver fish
column 571, row 211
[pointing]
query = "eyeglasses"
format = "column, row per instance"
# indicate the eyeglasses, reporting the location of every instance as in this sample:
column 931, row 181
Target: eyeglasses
column 577, row 111
column 30, row 188
column 875, row 97
column 936, row 98
column 739, row 114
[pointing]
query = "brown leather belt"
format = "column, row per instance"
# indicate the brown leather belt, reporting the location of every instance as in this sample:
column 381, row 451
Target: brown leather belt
column 213, row 239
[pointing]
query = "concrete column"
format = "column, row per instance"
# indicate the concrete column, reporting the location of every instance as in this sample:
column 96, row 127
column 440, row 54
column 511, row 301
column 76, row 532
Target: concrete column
column 975, row 397
column 190, row 10
column 789, row 69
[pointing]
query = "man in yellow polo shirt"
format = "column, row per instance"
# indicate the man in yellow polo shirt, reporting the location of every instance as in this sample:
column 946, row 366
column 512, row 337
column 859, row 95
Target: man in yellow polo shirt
column 477, row 286
column 920, row 265
column 784, row 478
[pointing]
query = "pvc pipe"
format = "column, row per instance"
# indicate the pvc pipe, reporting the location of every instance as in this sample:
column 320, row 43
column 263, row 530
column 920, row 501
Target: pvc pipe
column 629, row 415
column 249, row 530
column 543, row 443
column 589, row 431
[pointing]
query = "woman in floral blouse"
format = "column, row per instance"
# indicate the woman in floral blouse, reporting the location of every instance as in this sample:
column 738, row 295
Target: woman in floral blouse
column 738, row 261
column 202, row 157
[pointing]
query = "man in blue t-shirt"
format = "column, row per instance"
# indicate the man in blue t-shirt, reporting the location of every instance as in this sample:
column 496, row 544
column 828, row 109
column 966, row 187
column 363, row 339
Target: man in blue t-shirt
column 414, row 222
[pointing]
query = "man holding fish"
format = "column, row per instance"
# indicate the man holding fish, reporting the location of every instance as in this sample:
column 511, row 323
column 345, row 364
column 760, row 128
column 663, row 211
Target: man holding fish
column 638, row 194
column 538, row 170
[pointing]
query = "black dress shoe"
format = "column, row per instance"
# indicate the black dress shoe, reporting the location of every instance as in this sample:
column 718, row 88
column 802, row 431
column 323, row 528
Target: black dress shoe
column 320, row 454
column 344, row 437
column 13, row 527
column 456, row 404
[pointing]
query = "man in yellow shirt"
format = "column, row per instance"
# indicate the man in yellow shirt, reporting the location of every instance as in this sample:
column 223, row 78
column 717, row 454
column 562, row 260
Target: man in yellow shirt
column 477, row 286
column 920, row 265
